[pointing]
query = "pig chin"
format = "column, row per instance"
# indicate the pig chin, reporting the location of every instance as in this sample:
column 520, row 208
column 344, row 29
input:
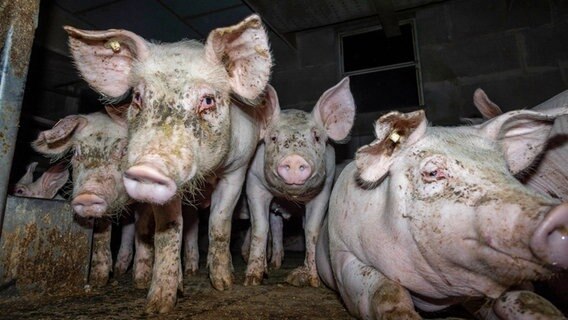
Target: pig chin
column 296, row 192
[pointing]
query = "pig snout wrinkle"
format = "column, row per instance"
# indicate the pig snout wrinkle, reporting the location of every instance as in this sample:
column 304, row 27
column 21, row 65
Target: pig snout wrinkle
column 294, row 170
column 147, row 184
column 550, row 240
column 89, row 205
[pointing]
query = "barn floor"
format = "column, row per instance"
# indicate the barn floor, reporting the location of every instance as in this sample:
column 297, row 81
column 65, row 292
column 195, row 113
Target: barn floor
column 120, row 300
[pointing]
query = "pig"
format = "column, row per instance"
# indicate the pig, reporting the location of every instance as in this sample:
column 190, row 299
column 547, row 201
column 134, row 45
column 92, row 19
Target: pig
column 428, row 217
column 46, row 187
column 98, row 142
column 182, row 128
column 296, row 162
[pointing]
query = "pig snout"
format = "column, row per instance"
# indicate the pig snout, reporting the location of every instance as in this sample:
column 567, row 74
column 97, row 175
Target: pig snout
column 294, row 169
column 89, row 205
column 147, row 183
column 550, row 240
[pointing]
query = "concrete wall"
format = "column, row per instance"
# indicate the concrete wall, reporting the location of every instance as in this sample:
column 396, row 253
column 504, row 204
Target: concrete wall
column 515, row 50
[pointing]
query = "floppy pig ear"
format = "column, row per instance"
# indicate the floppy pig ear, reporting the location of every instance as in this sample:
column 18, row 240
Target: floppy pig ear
column 488, row 108
column 270, row 110
column 244, row 52
column 28, row 177
column 335, row 110
column 118, row 113
column 393, row 130
column 522, row 134
column 58, row 140
column 105, row 58
column 53, row 179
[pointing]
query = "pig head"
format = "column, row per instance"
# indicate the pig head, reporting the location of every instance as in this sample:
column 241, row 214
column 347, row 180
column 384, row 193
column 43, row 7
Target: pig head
column 98, row 143
column 46, row 186
column 437, row 217
column 180, row 117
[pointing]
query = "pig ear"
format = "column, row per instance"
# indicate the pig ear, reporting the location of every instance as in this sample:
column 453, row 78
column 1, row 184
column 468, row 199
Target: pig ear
column 488, row 108
column 118, row 113
column 270, row 110
column 56, row 141
column 105, row 58
column 394, row 131
column 53, row 179
column 335, row 111
column 244, row 52
column 29, row 176
column 522, row 135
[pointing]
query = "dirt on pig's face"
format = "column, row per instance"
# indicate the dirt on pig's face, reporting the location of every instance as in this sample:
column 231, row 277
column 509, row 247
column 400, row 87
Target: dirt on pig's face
column 179, row 118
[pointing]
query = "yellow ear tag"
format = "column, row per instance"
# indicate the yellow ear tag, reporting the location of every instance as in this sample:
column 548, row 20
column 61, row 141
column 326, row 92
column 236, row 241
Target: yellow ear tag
column 394, row 136
column 113, row 44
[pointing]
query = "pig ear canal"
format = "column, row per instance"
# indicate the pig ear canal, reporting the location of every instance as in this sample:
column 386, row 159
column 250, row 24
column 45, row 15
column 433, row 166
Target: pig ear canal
column 244, row 52
column 59, row 139
column 522, row 135
column 335, row 111
column 394, row 131
column 104, row 55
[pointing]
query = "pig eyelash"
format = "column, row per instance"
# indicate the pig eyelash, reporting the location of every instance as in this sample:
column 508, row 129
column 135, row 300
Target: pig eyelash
column 206, row 104
column 316, row 137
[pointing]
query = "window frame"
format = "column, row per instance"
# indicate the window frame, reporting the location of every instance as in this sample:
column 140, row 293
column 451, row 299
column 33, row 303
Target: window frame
column 415, row 63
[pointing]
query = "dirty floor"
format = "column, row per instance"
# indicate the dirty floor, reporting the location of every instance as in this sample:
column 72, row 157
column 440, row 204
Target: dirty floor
column 120, row 300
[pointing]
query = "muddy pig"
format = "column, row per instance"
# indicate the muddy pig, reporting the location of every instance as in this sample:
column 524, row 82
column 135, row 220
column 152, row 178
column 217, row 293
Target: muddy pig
column 428, row 217
column 296, row 162
column 46, row 186
column 97, row 142
column 183, row 127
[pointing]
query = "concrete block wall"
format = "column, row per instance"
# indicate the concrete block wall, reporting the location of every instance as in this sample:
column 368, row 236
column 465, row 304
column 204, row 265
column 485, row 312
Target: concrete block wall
column 514, row 50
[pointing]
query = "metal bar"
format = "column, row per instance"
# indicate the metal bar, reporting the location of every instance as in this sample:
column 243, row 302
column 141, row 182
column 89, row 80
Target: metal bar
column 379, row 69
column 18, row 21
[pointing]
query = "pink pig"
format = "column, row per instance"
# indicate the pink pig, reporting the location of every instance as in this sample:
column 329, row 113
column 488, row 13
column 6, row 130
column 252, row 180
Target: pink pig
column 46, row 186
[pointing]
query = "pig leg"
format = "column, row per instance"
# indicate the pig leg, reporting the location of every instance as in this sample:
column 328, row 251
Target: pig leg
column 368, row 294
column 101, row 260
column 190, row 240
column 259, row 206
column 245, row 247
column 223, row 202
column 144, row 254
column 125, row 251
column 167, row 277
column 519, row 305
column 315, row 212
column 276, row 229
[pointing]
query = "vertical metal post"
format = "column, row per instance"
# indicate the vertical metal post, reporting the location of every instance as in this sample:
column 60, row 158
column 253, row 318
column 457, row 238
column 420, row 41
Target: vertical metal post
column 18, row 21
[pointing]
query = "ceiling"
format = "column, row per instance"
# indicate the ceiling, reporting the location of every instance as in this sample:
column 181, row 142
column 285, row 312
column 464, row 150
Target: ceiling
column 172, row 20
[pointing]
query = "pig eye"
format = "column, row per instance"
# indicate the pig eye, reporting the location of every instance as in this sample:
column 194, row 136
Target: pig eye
column 274, row 139
column 137, row 100
column 207, row 104
column 434, row 170
column 19, row 191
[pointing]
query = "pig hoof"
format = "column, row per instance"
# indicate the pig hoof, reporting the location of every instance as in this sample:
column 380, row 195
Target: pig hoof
column 160, row 301
column 221, row 281
column 253, row 280
column 98, row 280
column 142, row 283
column 301, row 277
column 120, row 269
column 275, row 264
column 190, row 270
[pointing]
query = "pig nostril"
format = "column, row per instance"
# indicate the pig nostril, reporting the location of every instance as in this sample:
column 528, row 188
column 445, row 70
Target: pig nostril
column 302, row 168
column 287, row 167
